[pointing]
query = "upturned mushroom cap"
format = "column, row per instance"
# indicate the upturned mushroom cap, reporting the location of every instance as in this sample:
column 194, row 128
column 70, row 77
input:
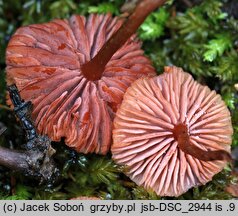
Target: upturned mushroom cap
column 45, row 60
column 171, row 133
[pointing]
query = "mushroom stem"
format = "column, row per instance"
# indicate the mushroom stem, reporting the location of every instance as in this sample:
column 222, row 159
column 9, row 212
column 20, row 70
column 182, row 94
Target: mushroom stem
column 181, row 134
column 14, row 160
column 93, row 69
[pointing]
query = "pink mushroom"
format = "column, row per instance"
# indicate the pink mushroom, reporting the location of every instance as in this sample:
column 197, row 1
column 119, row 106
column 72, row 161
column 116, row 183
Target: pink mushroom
column 171, row 133
column 76, row 71
column 44, row 61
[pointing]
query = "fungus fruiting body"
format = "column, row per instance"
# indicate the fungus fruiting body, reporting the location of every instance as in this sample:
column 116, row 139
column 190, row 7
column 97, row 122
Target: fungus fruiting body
column 76, row 71
column 171, row 133
column 45, row 62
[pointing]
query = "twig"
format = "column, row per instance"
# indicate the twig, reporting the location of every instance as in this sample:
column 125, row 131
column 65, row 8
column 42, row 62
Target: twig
column 36, row 160
column 13, row 159
column 22, row 111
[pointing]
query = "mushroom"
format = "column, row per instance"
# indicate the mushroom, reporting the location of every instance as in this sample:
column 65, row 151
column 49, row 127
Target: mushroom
column 76, row 71
column 171, row 133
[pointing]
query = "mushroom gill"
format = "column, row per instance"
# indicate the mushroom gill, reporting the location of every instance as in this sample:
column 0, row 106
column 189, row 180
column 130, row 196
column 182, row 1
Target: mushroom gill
column 45, row 62
column 171, row 133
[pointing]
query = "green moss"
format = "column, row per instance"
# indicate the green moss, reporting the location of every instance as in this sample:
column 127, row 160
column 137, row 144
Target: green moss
column 154, row 25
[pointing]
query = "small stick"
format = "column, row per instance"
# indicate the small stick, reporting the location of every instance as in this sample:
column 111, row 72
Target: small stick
column 36, row 160
column 13, row 159
column 22, row 111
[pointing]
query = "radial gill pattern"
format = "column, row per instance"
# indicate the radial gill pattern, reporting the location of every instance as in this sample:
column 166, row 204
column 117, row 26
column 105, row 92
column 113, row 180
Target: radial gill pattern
column 149, row 124
column 44, row 61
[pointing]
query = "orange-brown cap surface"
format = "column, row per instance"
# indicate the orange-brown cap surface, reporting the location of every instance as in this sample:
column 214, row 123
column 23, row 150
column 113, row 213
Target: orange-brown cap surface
column 44, row 61
column 171, row 133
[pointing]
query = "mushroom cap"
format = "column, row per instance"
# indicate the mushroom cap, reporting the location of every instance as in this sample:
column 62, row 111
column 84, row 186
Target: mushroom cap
column 144, row 140
column 44, row 61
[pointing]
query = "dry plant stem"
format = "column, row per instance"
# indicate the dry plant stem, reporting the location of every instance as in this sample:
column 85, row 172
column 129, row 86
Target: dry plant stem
column 37, row 160
column 37, row 163
column 93, row 69
column 22, row 111
column 13, row 160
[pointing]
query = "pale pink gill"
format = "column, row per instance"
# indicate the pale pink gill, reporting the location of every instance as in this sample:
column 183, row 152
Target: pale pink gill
column 152, row 120
column 44, row 61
